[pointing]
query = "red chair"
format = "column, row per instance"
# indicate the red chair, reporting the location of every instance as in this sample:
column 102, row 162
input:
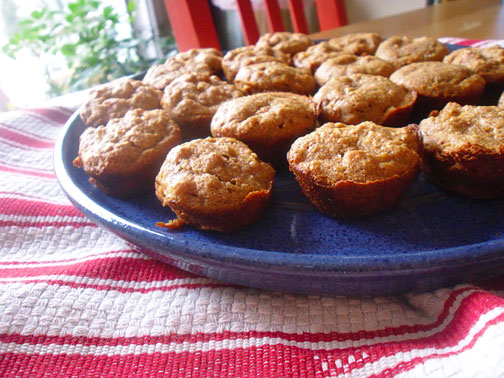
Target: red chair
column 192, row 23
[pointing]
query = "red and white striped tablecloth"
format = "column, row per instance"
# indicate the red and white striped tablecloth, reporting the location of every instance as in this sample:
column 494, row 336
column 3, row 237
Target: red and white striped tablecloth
column 78, row 301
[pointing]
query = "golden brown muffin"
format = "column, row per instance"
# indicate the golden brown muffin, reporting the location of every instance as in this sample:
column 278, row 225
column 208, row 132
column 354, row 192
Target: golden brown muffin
column 266, row 122
column 315, row 55
column 405, row 50
column 192, row 100
column 487, row 62
column 346, row 64
column 247, row 55
column 357, row 43
column 214, row 184
column 352, row 171
column 357, row 98
column 438, row 83
column 114, row 99
column 500, row 103
column 273, row 77
column 286, row 42
column 201, row 60
column 464, row 150
column 123, row 157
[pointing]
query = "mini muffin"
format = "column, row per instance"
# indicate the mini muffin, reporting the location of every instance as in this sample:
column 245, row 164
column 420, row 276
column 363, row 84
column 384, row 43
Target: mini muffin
column 203, row 60
column 247, row 55
column 357, row 43
column 267, row 122
column 286, row 42
column 214, row 184
column 114, row 99
column 353, row 171
column 123, row 157
column 487, row 62
column 315, row 55
column 438, row 83
column 405, row 50
column 464, row 150
column 264, row 77
column 192, row 100
column 357, row 98
column 346, row 64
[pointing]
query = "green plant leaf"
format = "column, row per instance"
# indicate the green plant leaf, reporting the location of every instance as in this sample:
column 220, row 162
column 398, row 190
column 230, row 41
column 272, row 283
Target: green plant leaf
column 68, row 49
column 132, row 6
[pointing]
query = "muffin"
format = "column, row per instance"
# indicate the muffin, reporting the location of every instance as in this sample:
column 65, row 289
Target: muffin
column 357, row 98
column 201, row 60
column 353, row 171
column 286, row 42
column 245, row 56
column 315, row 55
column 192, row 100
column 274, row 77
column 214, row 184
column 464, row 150
column 405, row 50
column 114, row 99
column 357, row 43
column 123, row 157
column 487, row 62
column 266, row 122
column 346, row 64
column 438, row 83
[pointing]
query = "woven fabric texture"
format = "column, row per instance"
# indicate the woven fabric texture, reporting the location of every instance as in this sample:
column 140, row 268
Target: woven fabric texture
column 78, row 301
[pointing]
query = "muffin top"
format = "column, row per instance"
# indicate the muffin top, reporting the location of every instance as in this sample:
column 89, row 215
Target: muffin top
column 356, row 98
column 286, row 42
column 194, row 96
column 346, row 64
column 363, row 153
column 403, row 50
column 272, row 76
column 315, row 55
column 458, row 127
column 357, row 43
column 114, row 99
column 245, row 56
column 487, row 62
column 269, row 116
column 437, row 79
column 204, row 60
column 129, row 144
column 212, row 174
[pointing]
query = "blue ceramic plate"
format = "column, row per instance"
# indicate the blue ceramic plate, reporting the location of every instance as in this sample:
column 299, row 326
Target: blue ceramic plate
column 431, row 240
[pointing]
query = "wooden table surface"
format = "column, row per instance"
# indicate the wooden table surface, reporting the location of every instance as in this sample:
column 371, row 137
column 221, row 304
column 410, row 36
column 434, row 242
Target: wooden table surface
column 472, row 19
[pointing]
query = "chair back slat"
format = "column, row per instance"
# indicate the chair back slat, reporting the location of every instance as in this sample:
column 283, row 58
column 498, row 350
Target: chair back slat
column 273, row 16
column 298, row 17
column 247, row 21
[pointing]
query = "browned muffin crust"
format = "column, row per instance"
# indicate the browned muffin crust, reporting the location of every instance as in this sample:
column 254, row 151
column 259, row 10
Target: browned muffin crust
column 346, row 64
column 352, row 171
column 464, row 150
column 215, row 184
column 266, row 122
column 286, row 42
column 357, row 43
column 114, row 99
column 123, row 157
column 357, row 98
column 247, row 55
column 438, row 83
column 192, row 100
column 201, row 60
column 403, row 50
column 488, row 62
column 315, row 55
column 275, row 77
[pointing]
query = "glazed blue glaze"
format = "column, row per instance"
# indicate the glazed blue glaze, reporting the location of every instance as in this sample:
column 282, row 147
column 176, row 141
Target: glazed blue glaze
column 430, row 240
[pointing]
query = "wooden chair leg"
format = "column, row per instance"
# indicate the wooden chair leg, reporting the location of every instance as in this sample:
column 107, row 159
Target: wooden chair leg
column 331, row 14
column 192, row 24
column 248, row 22
column 298, row 16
